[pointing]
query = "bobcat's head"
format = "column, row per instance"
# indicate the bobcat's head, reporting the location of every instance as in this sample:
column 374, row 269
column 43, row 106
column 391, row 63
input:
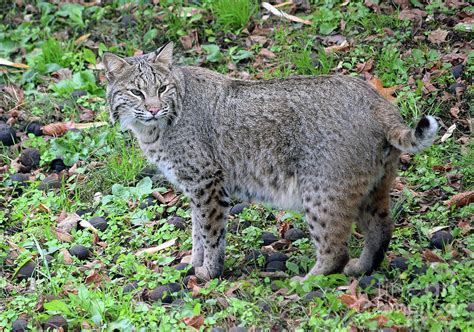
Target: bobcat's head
column 141, row 91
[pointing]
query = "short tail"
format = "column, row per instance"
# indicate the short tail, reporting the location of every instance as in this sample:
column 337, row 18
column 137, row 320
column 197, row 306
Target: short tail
column 413, row 140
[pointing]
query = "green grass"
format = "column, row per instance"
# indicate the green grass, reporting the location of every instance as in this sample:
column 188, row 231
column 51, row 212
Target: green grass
column 107, row 166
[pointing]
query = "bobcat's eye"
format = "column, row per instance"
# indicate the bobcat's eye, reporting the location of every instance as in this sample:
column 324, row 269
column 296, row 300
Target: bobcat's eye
column 136, row 92
column 162, row 89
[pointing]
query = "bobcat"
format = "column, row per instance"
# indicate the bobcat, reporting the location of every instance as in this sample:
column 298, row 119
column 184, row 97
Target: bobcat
column 327, row 145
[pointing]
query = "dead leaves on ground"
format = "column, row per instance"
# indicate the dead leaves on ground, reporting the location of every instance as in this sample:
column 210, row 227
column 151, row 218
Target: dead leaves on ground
column 461, row 199
column 387, row 93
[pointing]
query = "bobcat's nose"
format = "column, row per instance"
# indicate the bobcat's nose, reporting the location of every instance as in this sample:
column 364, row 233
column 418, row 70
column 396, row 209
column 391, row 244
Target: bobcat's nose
column 154, row 110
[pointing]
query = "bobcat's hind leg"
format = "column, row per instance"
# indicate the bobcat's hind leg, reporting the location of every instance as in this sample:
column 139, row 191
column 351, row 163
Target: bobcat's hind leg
column 329, row 217
column 375, row 223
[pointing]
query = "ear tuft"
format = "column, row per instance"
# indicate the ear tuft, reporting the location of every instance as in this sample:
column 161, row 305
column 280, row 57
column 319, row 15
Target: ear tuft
column 163, row 55
column 113, row 64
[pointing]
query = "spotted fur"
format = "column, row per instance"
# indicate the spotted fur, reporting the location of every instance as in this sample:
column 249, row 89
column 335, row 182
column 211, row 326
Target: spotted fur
column 328, row 146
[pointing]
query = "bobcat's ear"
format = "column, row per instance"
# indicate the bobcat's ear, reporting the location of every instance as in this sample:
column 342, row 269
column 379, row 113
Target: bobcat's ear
column 163, row 55
column 113, row 65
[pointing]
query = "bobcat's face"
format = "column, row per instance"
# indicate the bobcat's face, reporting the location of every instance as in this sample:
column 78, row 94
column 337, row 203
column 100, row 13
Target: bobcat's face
column 141, row 91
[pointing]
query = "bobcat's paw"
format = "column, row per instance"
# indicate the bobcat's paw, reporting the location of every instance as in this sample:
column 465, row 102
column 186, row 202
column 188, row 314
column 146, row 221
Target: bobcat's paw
column 354, row 268
column 202, row 273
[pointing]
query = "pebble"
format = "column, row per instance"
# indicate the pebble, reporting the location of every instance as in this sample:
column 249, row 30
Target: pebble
column 457, row 70
column 294, row 234
column 275, row 266
column 78, row 93
column 369, row 282
column 163, row 293
column 440, row 239
column 20, row 178
column 147, row 202
column 238, row 329
column 99, row 223
column 178, row 223
column 277, row 256
column 34, row 128
column 313, row 294
column 50, row 182
column 184, row 266
column 57, row 165
column 30, row 158
column 26, row 271
column 400, row 263
column 7, row 135
column 268, row 238
column 238, row 208
column 130, row 287
column 81, row 252
column 20, row 325
column 83, row 211
column 55, row 322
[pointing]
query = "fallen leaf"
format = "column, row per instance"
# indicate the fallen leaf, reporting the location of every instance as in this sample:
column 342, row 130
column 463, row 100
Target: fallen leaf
column 66, row 256
column 87, row 114
column 279, row 13
column 57, row 129
column 93, row 277
column 337, row 48
column 365, row 66
column 348, row 299
column 373, row 6
column 438, row 36
column 454, row 111
column 275, row 246
column 87, row 225
column 432, row 257
column 153, row 250
column 387, row 93
column 61, row 235
column 412, row 14
column 465, row 226
column 195, row 321
column 193, row 285
column 404, row 4
column 267, row 53
column 43, row 208
column 7, row 63
column 448, row 133
column 273, row 275
column 89, row 125
column 283, row 228
column 381, row 320
column 69, row 223
column 82, row 39
column 461, row 199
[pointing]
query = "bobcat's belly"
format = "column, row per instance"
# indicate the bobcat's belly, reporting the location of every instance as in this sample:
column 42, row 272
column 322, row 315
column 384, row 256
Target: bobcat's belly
column 167, row 170
column 284, row 196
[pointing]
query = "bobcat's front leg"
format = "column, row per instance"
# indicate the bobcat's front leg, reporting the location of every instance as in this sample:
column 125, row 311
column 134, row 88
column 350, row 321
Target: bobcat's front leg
column 210, row 205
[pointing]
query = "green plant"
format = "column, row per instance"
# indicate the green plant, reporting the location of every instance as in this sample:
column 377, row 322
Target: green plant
column 233, row 14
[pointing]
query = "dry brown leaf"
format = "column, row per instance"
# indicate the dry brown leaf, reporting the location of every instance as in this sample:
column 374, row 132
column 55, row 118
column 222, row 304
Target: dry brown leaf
column 387, row 93
column 275, row 246
column 61, row 235
column 69, row 223
column 412, row 14
column 337, row 48
column 365, row 66
column 266, row 53
column 93, row 277
column 438, row 36
column 195, row 321
column 153, row 250
column 454, row 111
column 373, row 6
column 88, row 225
column 193, row 285
column 279, row 13
column 43, row 208
column 57, row 129
column 465, row 226
column 82, row 39
column 7, row 63
column 348, row 299
column 381, row 320
column 283, row 228
column 461, row 199
column 66, row 256
column 432, row 257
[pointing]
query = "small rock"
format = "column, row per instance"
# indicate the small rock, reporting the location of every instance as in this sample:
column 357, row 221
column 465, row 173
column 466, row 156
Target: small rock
column 274, row 286
column 440, row 239
column 186, row 280
column 470, row 307
column 20, row 178
column 263, row 306
column 294, row 234
column 49, row 258
column 128, row 21
column 313, row 294
column 277, row 256
column 218, row 329
column 236, row 225
column 400, row 263
column 80, row 252
column 34, row 128
column 268, row 238
column 453, row 87
column 78, row 93
column 457, row 70
column 148, row 201
column 27, row 270
column 184, row 266
column 130, row 287
column 369, row 282
column 238, row 208
column 163, row 293
column 30, row 158
column 50, row 182
column 275, row 266
column 419, row 269
column 83, row 211
column 148, row 171
column 7, row 135
column 57, row 165
column 238, row 329
column 20, row 325
column 178, row 223
column 253, row 256
column 99, row 223
column 177, row 302
column 55, row 322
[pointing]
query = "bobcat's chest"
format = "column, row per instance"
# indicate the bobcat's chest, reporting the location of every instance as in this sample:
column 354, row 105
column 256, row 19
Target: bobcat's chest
column 167, row 169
